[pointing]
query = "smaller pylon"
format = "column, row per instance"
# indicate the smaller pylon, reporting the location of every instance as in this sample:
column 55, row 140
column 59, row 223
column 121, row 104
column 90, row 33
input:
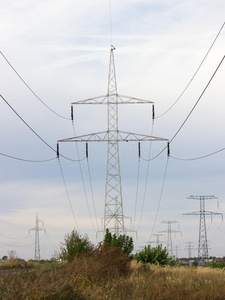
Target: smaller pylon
column 37, row 255
column 157, row 242
column 169, row 232
column 189, row 247
column 202, row 240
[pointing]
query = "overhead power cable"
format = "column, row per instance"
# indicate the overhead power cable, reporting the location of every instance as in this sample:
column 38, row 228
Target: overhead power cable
column 194, row 73
column 160, row 197
column 191, row 113
column 32, row 89
column 27, row 124
column 27, row 160
column 84, row 187
column 200, row 157
column 67, row 193
column 35, row 134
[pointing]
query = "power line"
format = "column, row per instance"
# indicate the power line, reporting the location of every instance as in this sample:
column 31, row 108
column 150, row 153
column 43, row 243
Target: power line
column 200, row 157
column 198, row 99
column 194, row 73
column 27, row 124
column 31, row 89
column 82, row 178
column 160, row 197
column 27, row 160
column 67, row 193
column 34, row 133
column 207, row 85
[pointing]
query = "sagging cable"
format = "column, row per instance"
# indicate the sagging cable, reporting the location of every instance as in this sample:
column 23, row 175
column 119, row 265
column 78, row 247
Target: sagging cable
column 139, row 150
column 87, row 151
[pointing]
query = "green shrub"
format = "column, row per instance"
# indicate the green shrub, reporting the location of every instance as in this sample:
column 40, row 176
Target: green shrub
column 153, row 255
column 124, row 242
column 217, row 264
column 75, row 245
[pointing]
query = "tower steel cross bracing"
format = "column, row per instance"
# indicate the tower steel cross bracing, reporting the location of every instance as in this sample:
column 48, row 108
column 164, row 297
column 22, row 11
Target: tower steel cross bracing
column 37, row 254
column 203, row 252
column 169, row 232
column 113, row 212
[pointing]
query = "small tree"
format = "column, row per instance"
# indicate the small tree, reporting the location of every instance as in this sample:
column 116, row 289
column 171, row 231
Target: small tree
column 155, row 255
column 124, row 242
column 75, row 245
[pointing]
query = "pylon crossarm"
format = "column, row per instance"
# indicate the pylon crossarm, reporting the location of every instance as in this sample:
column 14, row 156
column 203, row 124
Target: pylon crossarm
column 122, row 99
column 120, row 136
column 207, row 213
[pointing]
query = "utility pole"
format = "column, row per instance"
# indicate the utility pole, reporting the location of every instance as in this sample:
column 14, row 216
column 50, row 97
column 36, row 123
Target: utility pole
column 189, row 247
column 157, row 242
column 169, row 232
column 37, row 242
column 202, row 240
column 113, row 211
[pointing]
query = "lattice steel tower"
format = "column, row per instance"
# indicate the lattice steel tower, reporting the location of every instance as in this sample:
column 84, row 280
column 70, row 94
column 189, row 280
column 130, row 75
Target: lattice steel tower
column 169, row 232
column 202, row 241
column 37, row 255
column 113, row 212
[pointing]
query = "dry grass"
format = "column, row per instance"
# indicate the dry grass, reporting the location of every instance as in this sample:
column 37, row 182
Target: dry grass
column 109, row 275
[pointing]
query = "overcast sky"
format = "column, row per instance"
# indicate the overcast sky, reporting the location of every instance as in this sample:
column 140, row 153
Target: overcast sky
column 61, row 50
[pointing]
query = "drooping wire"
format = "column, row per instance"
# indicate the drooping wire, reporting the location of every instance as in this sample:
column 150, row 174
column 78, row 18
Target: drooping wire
column 27, row 160
column 160, row 197
column 92, row 194
column 67, row 193
column 82, row 178
column 146, row 178
column 186, row 87
column 200, row 157
column 34, row 133
column 31, row 89
column 137, row 187
column 27, row 124
column 203, row 92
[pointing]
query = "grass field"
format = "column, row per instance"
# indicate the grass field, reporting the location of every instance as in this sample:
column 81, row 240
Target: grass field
column 111, row 276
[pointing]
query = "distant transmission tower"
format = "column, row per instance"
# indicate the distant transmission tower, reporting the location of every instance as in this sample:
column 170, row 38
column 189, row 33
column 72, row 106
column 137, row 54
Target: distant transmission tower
column 157, row 242
column 113, row 213
column 189, row 247
column 169, row 232
column 202, row 241
column 37, row 242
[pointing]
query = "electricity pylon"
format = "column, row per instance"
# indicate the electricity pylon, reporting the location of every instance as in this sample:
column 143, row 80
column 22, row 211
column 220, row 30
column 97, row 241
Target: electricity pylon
column 189, row 247
column 113, row 212
column 169, row 232
column 202, row 240
column 37, row 242
column 157, row 242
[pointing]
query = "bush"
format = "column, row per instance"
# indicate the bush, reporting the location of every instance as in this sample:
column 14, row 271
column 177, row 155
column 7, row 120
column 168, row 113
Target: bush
column 157, row 256
column 124, row 242
column 217, row 264
column 75, row 245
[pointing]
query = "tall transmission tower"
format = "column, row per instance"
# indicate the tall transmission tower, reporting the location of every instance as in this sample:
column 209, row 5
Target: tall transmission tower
column 169, row 232
column 37, row 255
column 113, row 212
column 203, row 251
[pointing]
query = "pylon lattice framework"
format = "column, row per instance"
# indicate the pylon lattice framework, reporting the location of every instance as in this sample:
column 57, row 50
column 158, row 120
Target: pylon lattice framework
column 203, row 251
column 169, row 232
column 37, row 253
column 113, row 213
